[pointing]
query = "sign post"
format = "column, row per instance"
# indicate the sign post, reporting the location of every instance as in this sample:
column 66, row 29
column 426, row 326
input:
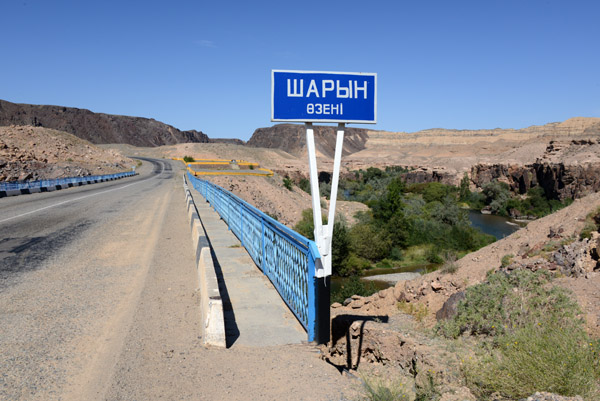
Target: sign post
column 329, row 97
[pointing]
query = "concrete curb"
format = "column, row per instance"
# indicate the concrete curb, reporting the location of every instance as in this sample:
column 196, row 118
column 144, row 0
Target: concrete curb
column 213, row 321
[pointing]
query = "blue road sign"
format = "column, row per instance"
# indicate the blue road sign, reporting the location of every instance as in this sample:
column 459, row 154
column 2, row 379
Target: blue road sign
column 319, row 96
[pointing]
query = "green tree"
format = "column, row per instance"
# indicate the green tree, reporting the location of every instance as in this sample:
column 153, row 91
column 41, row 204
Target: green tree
column 392, row 201
column 372, row 173
column 398, row 228
column 340, row 246
column 435, row 191
column 369, row 242
column 449, row 213
column 497, row 194
column 464, row 191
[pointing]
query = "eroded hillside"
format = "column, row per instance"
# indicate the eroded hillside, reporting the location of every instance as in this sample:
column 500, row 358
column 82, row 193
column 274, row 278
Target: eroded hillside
column 33, row 153
column 97, row 127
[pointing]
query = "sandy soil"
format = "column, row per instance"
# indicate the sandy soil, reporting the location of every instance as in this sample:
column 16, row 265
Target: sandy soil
column 269, row 195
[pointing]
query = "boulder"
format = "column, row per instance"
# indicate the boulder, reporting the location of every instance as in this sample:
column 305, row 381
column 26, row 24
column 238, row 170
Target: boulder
column 449, row 309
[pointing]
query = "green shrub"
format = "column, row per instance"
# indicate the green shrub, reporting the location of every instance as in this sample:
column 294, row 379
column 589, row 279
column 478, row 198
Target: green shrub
column 396, row 254
column 304, row 185
column 506, row 260
column 537, row 340
column 353, row 286
column 369, row 242
column 547, row 355
column 354, row 265
column 476, row 200
column 508, row 301
column 385, row 264
column 449, row 265
column 376, row 389
column 433, row 255
column 188, row 159
column 417, row 310
column 287, row 182
column 592, row 223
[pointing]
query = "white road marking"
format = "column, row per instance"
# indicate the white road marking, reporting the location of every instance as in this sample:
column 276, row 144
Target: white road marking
column 162, row 168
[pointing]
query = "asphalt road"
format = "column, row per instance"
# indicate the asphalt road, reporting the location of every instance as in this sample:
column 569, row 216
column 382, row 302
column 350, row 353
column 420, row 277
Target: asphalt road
column 35, row 227
column 99, row 301
column 72, row 263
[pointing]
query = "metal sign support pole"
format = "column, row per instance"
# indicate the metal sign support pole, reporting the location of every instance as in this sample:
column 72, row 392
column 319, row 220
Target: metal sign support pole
column 323, row 233
column 339, row 144
column 314, row 186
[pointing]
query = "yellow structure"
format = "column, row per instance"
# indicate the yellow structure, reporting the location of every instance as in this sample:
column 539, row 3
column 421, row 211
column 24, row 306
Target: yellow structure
column 254, row 167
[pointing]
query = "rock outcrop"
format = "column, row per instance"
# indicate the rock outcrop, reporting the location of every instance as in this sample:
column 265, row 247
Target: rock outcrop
column 97, row 128
column 292, row 139
column 558, row 180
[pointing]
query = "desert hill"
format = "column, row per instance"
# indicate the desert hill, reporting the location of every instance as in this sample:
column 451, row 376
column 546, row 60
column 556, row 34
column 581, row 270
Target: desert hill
column 35, row 153
column 97, row 127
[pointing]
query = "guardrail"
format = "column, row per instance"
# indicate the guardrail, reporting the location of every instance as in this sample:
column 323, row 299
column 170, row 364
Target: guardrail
column 287, row 258
column 10, row 186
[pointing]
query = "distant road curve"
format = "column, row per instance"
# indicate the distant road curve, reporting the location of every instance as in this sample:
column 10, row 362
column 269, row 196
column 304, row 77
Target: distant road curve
column 34, row 227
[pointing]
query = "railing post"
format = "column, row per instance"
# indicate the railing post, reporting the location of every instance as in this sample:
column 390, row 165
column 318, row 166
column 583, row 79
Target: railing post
column 311, row 285
column 241, row 224
column 262, row 246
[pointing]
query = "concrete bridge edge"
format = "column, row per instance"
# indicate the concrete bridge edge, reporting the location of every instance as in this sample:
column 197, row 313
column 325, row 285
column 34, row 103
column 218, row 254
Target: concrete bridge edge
column 211, row 309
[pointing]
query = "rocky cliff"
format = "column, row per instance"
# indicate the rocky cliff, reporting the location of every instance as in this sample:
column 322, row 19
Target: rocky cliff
column 558, row 180
column 292, row 139
column 97, row 128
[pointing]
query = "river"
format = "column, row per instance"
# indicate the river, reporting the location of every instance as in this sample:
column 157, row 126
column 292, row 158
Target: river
column 497, row 226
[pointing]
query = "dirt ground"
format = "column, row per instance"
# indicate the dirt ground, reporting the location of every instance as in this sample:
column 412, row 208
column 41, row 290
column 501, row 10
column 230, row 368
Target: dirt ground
column 269, row 195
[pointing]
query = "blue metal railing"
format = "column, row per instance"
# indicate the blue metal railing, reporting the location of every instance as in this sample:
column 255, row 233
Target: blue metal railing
column 8, row 186
column 284, row 256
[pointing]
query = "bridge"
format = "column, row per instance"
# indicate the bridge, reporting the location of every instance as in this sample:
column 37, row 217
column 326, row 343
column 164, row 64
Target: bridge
column 100, row 295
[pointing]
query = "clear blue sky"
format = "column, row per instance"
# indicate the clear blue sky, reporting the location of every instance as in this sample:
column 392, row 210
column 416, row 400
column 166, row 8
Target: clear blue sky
column 206, row 65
